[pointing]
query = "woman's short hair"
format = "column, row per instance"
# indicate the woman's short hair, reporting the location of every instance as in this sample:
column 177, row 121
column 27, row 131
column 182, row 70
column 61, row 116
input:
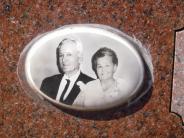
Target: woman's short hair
column 101, row 53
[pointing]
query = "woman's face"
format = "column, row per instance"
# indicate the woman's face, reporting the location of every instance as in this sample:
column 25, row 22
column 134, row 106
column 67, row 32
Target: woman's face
column 105, row 68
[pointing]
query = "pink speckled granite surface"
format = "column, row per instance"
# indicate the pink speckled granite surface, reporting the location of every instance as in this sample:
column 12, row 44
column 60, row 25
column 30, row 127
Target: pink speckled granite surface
column 177, row 105
column 152, row 22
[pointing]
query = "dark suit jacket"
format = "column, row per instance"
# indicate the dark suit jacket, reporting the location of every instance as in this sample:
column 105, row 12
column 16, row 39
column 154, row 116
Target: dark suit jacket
column 50, row 87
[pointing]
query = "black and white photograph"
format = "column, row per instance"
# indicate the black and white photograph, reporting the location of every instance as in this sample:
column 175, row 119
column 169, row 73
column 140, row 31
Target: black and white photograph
column 84, row 67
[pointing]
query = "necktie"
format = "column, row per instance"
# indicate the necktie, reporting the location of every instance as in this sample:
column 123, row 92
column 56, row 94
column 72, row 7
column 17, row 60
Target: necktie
column 65, row 89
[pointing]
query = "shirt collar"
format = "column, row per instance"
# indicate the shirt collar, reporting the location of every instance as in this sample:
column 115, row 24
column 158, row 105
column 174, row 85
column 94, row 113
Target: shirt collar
column 72, row 78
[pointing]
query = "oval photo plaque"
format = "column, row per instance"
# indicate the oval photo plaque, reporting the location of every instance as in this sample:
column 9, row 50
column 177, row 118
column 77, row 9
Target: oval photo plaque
column 85, row 67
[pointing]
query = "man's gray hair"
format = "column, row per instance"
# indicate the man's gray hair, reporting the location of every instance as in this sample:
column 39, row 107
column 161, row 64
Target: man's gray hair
column 77, row 43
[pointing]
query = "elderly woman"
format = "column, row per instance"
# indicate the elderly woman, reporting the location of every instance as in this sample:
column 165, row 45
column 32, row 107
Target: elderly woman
column 106, row 88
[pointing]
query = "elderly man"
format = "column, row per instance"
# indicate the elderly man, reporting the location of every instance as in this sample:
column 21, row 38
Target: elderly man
column 64, row 87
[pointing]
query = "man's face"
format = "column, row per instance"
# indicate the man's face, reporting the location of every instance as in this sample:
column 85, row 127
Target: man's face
column 105, row 68
column 69, row 58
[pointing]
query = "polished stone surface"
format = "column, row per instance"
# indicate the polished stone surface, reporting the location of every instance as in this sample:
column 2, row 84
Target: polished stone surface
column 177, row 103
column 152, row 22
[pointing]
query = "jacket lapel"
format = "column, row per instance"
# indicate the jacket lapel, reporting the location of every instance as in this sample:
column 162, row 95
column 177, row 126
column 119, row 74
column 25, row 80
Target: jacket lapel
column 74, row 92
column 56, row 84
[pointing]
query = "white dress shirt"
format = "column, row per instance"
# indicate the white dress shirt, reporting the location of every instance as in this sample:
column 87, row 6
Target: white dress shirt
column 63, row 84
